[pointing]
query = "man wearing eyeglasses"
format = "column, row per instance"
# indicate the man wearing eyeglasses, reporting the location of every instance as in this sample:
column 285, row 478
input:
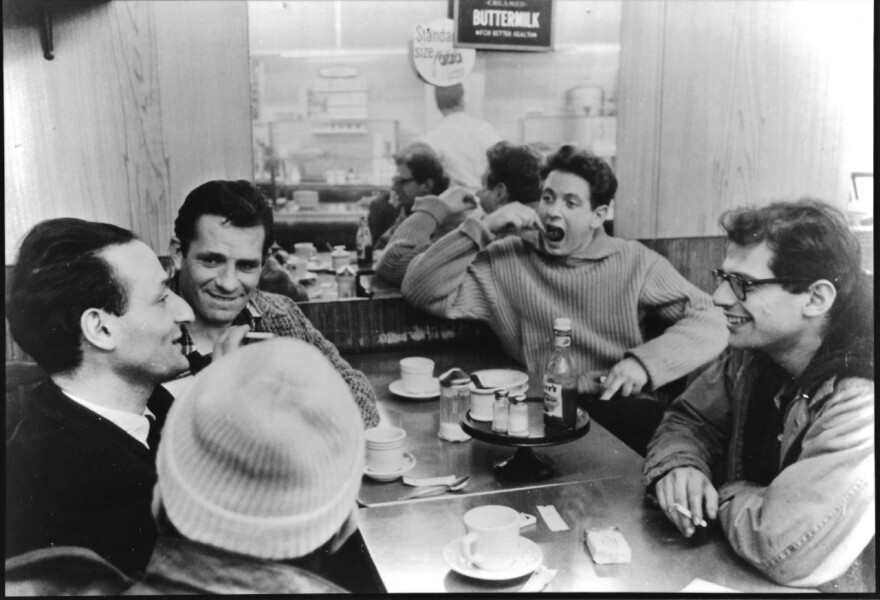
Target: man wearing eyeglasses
column 419, row 173
column 776, row 439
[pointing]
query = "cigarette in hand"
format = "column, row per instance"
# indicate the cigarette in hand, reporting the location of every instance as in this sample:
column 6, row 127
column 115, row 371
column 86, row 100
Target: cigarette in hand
column 686, row 513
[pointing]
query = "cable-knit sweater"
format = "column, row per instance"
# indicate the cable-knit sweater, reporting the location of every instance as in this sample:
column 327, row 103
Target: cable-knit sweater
column 606, row 291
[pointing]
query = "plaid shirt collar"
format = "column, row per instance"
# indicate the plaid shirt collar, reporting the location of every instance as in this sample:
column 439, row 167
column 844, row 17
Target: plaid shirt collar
column 250, row 316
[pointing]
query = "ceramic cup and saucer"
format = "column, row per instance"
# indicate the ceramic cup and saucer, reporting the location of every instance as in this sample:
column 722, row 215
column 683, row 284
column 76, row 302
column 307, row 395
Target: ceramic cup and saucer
column 417, row 381
column 492, row 549
column 409, row 461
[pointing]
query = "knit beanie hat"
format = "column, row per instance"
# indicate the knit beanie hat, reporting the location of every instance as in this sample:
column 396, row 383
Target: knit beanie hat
column 263, row 455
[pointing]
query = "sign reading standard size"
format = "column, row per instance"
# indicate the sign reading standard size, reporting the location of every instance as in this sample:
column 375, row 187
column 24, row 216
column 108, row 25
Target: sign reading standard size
column 434, row 57
column 504, row 24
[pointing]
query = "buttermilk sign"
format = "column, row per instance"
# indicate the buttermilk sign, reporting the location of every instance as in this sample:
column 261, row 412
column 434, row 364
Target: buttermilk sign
column 504, row 24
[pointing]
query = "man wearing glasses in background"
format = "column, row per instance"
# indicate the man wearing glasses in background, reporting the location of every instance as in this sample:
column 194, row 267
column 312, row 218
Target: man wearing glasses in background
column 776, row 439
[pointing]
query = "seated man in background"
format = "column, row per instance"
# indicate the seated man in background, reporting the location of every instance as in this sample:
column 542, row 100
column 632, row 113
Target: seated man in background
column 561, row 263
column 222, row 236
column 513, row 175
column 92, row 306
column 258, row 470
column 776, row 438
column 419, row 173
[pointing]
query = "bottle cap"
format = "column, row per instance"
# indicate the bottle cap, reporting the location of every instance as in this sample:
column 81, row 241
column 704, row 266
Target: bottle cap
column 562, row 323
column 454, row 376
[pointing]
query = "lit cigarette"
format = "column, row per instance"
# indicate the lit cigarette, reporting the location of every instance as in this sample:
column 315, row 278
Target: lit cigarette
column 686, row 513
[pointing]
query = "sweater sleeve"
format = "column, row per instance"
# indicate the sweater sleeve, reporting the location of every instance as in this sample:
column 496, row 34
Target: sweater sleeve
column 453, row 277
column 283, row 317
column 696, row 335
column 411, row 237
column 815, row 518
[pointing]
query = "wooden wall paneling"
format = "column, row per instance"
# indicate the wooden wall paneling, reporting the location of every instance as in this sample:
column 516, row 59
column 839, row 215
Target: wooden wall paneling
column 748, row 114
column 62, row 120
column 639, row 124
column 204, row 68
column 146, row 159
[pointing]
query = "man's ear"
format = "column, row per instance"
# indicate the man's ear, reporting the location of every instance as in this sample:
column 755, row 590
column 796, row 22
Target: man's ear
column 601, row 213
column 820, row 299
column 500, row 190
column 97, row 330
column 426, row 187
column 176, row 252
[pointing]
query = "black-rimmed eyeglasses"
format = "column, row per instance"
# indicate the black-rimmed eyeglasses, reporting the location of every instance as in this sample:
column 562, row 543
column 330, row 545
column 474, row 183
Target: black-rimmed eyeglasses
column 741, row 285
column 398, row 180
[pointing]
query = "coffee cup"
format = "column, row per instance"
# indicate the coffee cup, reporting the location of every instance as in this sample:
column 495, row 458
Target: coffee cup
column 340, row 258
column 305, row 250
column 296, row 267
column 417, row 374
column 384, row 445
column 492, row 533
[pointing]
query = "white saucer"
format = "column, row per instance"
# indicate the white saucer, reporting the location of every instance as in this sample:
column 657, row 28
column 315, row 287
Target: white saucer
column 396, row 388
column 409, row 461
column 316, row 266
column 530, row 558
column 308, row 277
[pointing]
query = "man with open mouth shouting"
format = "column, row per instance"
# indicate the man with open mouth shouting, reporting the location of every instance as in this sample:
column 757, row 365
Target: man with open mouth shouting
column 561, row 263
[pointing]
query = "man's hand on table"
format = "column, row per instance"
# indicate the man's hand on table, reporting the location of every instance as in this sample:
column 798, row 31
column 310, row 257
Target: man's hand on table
column 628, row 377
column 691, row 489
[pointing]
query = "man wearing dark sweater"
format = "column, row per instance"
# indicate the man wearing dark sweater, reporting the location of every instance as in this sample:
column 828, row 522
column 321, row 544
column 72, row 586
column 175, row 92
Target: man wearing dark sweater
column 92, row 305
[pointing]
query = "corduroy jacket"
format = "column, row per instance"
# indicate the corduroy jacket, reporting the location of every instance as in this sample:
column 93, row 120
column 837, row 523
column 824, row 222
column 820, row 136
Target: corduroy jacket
column 817, row 516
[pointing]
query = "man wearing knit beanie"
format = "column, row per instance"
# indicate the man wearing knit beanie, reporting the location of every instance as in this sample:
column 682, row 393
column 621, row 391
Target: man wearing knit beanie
column 259, row 467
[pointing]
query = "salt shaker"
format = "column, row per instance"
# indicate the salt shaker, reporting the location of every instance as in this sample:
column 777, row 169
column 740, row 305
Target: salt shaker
column 518, row 419
column 500, row 411
column 345, row 282
column 455, row 398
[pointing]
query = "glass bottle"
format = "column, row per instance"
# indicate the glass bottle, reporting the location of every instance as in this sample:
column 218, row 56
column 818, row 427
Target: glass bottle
column 518, row 417
column 500, row 411
column 560, row 381
column 455, row 399
column 364, row 244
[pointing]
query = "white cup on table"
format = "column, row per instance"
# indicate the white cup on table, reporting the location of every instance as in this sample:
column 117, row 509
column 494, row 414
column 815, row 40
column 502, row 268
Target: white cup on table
column 492, row 534
column 384, row 445
column 305, row 250
column 417, row 374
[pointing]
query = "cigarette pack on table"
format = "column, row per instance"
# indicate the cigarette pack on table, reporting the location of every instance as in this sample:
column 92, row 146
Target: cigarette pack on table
column 607, row 546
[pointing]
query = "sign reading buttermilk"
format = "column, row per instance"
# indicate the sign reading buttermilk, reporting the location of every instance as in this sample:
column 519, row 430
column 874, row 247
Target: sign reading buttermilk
column 504, row 24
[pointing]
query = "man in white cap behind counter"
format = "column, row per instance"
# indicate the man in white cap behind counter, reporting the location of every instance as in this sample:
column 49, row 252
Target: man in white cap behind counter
column 259, row 467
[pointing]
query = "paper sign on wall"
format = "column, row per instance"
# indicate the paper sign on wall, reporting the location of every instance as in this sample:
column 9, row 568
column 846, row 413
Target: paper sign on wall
column 434, row 57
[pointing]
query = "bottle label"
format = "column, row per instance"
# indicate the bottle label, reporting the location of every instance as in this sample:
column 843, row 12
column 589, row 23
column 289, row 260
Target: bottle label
column 563, row 341
column 552, row 399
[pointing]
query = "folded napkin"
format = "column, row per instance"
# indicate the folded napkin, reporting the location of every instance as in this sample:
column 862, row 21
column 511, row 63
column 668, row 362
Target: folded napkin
column 539, row 579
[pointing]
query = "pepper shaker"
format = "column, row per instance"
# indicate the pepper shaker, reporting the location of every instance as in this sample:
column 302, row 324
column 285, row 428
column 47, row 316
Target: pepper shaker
column 518, row 419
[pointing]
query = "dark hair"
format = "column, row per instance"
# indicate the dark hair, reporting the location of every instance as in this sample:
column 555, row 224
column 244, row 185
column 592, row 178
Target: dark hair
column 239, row 202
column 449, row 96
column 424, row 164
column 811, row 240
column 518, row 168
column 587, row 166
column 58, row 275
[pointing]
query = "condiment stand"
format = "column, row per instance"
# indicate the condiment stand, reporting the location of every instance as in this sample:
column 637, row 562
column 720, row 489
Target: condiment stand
column 526, row 465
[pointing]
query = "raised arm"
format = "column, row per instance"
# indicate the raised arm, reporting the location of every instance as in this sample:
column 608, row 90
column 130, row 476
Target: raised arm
column 697, row 332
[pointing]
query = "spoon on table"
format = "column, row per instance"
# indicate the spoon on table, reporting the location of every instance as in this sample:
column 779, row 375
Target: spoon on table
column 436, row 490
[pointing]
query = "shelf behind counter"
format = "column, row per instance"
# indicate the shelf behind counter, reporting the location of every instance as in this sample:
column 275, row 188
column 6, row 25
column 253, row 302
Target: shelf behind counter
column 333, row 221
